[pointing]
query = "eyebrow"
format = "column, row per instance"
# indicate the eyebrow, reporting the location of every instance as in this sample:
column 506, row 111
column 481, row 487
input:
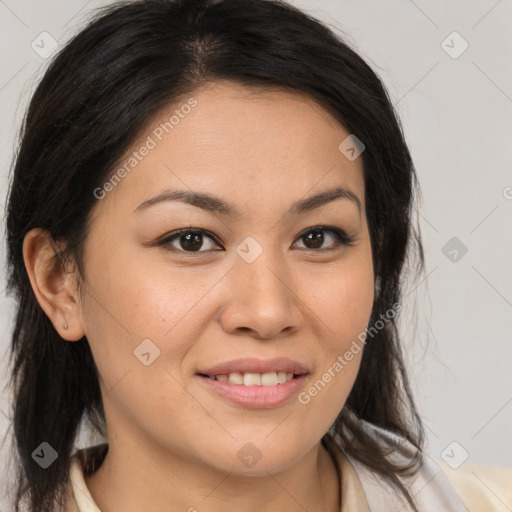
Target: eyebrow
column 211, row 203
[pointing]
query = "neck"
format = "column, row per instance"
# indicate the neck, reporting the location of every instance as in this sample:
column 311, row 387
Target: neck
column 130, row 481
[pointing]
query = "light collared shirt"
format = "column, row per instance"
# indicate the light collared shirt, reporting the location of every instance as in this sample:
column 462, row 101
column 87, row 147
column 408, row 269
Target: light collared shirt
column 436, row 487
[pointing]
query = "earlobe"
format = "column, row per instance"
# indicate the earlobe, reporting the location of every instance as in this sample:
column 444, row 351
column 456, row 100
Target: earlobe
column 52, row 284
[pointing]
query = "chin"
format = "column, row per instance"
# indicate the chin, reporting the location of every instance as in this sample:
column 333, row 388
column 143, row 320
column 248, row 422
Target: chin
column 257, row 458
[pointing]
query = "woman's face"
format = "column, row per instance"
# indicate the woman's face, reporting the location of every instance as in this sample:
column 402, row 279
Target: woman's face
column 248, row 293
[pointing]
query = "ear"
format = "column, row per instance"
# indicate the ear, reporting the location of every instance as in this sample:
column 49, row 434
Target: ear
column 53, row 284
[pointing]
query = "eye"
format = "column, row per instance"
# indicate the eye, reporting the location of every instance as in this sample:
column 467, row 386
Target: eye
column 192, row 240
column 187, row 240
column 314, row 238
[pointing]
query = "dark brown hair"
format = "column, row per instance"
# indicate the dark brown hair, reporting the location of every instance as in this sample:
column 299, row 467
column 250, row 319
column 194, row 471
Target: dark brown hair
column 101, row 89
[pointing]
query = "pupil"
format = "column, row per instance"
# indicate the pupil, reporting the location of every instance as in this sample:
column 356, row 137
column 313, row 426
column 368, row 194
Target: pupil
column 317, row 238
column 191, row 241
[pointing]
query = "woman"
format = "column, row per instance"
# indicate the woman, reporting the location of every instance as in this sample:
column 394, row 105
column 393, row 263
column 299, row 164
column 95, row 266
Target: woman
column 207, row 225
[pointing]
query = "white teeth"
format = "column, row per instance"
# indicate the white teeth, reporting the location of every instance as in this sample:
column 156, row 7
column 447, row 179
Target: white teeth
column 236, row 378
column 255, row 379
column 269, row 379
column 252, row 379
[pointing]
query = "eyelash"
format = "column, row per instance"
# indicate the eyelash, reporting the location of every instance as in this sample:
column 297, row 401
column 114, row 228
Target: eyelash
column 342, row 239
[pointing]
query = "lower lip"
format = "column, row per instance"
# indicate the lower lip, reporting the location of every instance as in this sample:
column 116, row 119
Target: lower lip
column 256, row 397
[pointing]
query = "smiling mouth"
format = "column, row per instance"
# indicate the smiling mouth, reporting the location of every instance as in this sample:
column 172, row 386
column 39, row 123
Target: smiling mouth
column 255, row 390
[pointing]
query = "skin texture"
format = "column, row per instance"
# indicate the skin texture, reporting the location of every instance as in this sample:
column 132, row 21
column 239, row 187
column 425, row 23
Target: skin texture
column 173, row 444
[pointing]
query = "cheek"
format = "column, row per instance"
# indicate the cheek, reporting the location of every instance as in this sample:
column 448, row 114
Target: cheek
column 127, row 302
column 343, row 306
column 343, row 300
column 135, row 295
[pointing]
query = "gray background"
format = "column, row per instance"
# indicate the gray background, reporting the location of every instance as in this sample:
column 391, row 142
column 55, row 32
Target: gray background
column 456, row 114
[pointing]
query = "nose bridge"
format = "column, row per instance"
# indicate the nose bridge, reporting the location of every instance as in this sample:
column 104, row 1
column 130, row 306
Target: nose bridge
column 263, row 273
column 262, row 298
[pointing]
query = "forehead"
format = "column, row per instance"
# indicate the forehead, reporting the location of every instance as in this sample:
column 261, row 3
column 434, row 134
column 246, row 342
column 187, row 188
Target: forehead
column 252, row 146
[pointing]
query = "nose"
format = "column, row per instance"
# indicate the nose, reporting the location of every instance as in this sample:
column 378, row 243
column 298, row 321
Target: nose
column 262, row 300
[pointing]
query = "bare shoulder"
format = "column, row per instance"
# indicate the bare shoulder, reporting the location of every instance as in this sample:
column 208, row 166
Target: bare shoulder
column 482, row 488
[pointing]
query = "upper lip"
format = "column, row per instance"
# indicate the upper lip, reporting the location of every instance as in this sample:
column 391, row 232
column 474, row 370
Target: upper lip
column 253, row 365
